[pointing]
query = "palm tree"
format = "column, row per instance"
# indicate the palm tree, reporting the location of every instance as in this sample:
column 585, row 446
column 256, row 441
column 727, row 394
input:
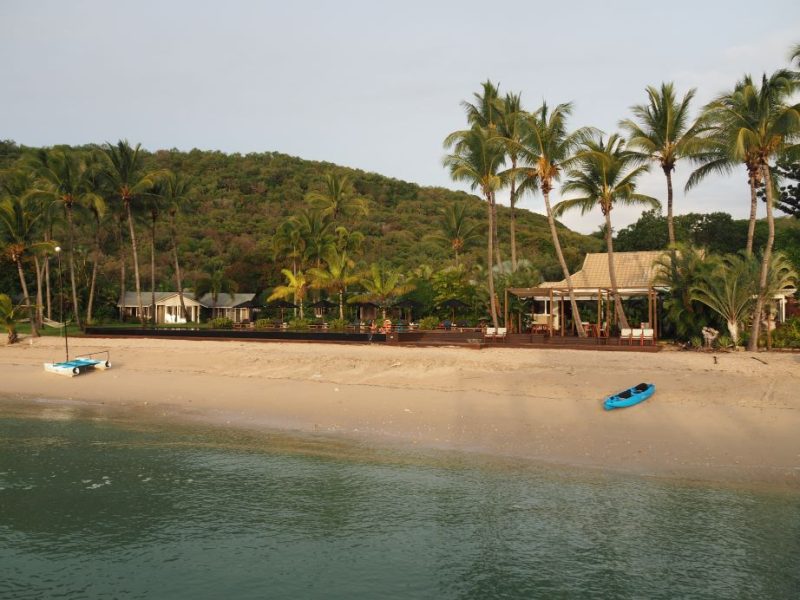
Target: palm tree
column 337, row 198
column 605, row 174
column 317, row 232
column 477, row 157
column 511, row 128
column 153, row 204
column 65, row 177
column 381, row 286
column 546, row 150
column 20, row 214
column 456, row 229
column 124, row 170
column 755, row 123
column 729, row 290
column 663, row 133
column 336, row 276
column 486, row 112
column 9, row 315
column 288, row 242
column 174, row 190
column 296, row 288
column 216, row 282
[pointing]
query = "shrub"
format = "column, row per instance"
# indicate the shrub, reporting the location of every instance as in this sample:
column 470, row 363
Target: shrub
column 299, row 324
column 262, row 324
column 221, row 323
column 788, row 334
column 429, row 323
column 724, row 341
column 337, row 324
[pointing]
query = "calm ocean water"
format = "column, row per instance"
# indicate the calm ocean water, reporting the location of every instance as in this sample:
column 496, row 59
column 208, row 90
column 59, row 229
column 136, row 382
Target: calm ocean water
column 93, row 508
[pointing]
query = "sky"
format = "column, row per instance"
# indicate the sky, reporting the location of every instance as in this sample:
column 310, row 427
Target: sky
column 366, row 84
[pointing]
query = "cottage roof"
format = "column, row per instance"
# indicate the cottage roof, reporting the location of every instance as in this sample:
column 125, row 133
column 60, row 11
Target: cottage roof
column 634, row 270
column 228, row 300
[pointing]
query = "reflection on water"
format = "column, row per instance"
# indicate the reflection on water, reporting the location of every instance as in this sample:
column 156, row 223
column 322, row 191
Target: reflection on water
column 93, row 509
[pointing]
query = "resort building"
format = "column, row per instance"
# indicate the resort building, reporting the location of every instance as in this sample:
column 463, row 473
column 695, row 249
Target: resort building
column 237, row 307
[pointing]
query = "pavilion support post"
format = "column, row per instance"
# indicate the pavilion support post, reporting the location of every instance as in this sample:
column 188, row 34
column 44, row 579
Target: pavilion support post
column 599, row 310
column 563, row 315
column 550, row 314
column 505, row 309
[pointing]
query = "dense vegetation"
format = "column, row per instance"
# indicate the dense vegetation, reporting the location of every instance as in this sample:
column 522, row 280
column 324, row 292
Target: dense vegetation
column 298, row 230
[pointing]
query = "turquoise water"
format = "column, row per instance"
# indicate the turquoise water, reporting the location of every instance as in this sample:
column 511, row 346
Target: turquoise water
column 104, row 509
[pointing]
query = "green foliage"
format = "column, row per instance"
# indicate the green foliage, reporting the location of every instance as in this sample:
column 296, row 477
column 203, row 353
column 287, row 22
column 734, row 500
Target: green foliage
column 221, row 323
column 9, row 314
column 263, row 323
column 337, row 324
column 788, row 334
column 299, row 324
column 428, row 323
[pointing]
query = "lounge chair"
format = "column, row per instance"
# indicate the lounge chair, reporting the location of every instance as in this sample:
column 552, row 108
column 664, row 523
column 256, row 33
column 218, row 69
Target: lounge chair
column 625, row 334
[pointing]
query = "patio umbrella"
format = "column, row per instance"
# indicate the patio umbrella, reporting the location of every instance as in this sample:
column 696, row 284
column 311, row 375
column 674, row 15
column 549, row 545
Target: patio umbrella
column 282, row 305
column 454, row 303
column 324, row 304
column 408, row 305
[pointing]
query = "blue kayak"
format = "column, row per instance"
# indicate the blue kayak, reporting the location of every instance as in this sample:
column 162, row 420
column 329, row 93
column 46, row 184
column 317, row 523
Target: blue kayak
column 629, row 397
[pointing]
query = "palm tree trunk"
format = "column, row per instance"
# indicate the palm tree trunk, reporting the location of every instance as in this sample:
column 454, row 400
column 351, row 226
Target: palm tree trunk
column 560, row 255
column 47, row 276
column 513, row 227
column 153, row 268
column 755, row 329
column 95, row 261
column 341, row 305
column 670, row 223
column 489, row 254
column 612, row 275
column 122, row 278
column 751, row 224
column 39, row 306
column 71, row 232
column 495, row 242
column 178, row 277
column 135, row 263
column 26, row 296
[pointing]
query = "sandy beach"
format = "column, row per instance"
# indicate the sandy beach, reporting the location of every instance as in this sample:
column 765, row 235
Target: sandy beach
column 733, row 419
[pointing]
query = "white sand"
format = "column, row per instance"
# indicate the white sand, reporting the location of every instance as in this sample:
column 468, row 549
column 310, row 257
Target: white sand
column 734, row 420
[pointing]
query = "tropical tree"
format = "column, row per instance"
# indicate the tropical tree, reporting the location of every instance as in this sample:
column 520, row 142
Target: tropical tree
column 605, row 175
column 486, row 112
column 296, row 287
column 755, row 124
column 337, row 198
column 9, row 315
column 680, row 269
column 66, row 178
column 317, row 231
column 510, row 127
column 19, row 219
column 336, row 276
column 124, row 171
column 664, row 133
column 381, row 286
column 348, row 241
column 174, row 191
column 546, row 150
column 288, row 242
column 477, row 156
column 215, row 282
column 456, row 229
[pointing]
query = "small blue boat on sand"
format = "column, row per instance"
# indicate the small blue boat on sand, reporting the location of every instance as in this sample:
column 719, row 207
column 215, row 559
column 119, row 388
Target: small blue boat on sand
column 629, row 397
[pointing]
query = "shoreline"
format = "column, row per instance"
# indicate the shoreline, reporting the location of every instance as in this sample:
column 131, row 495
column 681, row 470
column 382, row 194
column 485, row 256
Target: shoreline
column 734, row 420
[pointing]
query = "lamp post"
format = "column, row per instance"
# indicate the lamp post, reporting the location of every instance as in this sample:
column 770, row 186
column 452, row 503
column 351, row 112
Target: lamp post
column 61, row 295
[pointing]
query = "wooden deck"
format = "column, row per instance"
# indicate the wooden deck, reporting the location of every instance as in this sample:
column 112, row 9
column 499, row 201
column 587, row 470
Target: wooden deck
column 520, row 340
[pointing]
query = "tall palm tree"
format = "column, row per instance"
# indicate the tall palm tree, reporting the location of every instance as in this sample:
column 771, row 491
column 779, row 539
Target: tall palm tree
column 296, row 287
column 288, row 242
column 456, row 229
column 337, row 197
column 20, row 214
column 96, row 182
column 547, row 149
column 65, row 177
column 664, row 133
column 486, row 112
column 317, row 232
column 605, row 175
column 124, row 170
column 756, row 123
column 215, row 282
column 381, row 286
column 153, row 204
column 336, row 276
column 174, row 190
column 477, row 157
column 511, row 128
